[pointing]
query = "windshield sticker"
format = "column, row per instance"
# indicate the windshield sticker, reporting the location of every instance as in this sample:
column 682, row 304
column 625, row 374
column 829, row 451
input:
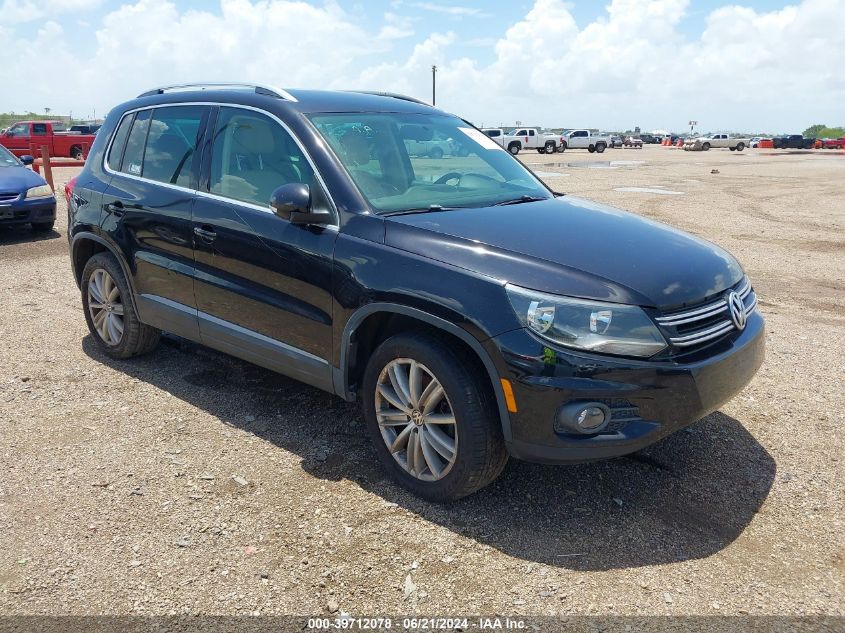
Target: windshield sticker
column 482, row 139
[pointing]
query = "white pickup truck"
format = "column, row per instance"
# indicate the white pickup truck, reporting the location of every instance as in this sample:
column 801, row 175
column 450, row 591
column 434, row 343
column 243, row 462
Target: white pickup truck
column 704, row 143
column 529, row 138
column 584, row 139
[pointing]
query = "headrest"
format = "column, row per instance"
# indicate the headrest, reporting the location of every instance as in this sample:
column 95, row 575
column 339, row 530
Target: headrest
column 254, row 136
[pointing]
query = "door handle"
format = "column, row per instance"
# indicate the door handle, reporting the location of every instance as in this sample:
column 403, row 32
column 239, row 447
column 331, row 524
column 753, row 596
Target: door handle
column 206, row 234
column 116, row 208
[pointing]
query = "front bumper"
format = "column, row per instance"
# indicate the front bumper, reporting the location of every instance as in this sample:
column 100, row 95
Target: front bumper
column 24, row 211
column 655, row 398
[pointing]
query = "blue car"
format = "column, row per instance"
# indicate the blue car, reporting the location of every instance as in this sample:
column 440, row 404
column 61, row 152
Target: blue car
column 25, row 197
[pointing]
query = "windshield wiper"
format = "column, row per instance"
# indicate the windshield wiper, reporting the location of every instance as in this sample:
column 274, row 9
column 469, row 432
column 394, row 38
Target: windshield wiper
column 520, row 200
column 432, row 208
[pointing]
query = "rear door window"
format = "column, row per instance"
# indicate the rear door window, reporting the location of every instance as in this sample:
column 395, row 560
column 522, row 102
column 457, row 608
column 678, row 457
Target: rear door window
column 119, row 142
column 133, row 157
column 39, row 129
column 172, row 144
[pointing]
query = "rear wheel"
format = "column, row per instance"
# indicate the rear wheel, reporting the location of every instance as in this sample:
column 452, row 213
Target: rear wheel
column 600, row 147
column 436, row 153
column 431, row 417
column 109, row 311
column 550, row 147
column 562, row 148
column 76, row 152
column 740, row 147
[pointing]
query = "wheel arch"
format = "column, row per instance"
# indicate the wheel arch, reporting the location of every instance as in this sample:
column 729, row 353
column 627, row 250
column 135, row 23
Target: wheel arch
column 85, row 245
column 373, row 323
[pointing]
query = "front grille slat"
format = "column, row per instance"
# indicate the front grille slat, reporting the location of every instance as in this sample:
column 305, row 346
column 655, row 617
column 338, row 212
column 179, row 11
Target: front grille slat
column 9, row 197
column 705, row 323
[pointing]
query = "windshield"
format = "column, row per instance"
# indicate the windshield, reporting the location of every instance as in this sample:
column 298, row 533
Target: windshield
column 7, row 159
column 404, row 162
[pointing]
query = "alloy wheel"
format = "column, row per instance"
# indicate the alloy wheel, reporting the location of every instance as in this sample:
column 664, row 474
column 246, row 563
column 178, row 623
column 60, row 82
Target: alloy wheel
column 416, row 420
column 105, row 307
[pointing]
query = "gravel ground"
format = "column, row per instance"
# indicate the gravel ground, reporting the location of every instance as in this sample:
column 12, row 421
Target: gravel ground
column 189, row 482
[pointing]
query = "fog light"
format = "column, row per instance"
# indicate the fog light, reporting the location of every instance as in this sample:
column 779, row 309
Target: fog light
column 582, row 417
column 591, row 418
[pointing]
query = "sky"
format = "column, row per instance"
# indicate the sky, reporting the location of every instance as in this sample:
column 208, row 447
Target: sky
column 754, row 65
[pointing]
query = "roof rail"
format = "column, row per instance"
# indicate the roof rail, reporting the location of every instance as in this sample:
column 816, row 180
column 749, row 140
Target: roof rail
column 222, row 85
column 393, row 95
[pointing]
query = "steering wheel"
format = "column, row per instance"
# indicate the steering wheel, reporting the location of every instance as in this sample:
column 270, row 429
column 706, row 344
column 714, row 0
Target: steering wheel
column 447, row 177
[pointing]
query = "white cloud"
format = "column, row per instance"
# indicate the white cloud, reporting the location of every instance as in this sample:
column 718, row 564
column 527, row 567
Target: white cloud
column 754, row 70
column 448, row 9
column 19, row 11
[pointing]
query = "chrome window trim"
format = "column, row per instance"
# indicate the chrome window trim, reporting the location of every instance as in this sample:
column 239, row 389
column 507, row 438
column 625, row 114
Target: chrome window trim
column 206, row 194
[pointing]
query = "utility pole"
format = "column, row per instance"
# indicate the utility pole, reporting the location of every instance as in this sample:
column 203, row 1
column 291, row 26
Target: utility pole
column 434, row 85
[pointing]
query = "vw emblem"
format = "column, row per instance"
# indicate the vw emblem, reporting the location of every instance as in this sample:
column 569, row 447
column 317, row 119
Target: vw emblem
column 737, row 310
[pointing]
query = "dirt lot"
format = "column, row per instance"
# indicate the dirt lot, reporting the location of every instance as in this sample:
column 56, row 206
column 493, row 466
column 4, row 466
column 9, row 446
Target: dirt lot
column 118, row 492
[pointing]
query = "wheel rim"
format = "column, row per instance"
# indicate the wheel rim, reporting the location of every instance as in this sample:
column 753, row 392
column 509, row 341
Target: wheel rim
column 105, row 306
column 416, row 419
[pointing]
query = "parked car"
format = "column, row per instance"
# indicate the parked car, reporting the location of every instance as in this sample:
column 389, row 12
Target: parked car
column 84, row 128
column 531, row 138
column 473, row 312
column 793, row 141
column 426, row 141
column 704, row 143
column 584, row 139
column 615, row 141
column 650, row 139
column 25, row 197
column 18, row 138
column 833, row 143
column 633, row 142
column 496, row 133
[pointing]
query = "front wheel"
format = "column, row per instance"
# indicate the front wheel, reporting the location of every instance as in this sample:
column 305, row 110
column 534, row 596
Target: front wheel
column 513, row 148
column 432, row 417
column 436, row 153
column 705, row 147
column 591, row 149
column 109, row 311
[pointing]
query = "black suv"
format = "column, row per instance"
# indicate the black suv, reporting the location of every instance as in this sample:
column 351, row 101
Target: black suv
column 475, row 313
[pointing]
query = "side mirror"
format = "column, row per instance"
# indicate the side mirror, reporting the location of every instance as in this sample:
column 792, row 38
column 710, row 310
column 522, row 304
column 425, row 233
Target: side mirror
column 292, row 202
column 26, row 159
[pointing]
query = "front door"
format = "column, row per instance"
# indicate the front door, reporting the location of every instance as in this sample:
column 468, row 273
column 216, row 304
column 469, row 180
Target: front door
column 263, row 285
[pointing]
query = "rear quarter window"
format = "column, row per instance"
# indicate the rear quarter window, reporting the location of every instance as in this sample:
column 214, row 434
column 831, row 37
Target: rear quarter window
column 133, row 157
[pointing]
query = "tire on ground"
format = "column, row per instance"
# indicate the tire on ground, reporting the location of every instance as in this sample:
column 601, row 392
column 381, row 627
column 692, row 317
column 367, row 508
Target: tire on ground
column 481, row 453
column 137, row 337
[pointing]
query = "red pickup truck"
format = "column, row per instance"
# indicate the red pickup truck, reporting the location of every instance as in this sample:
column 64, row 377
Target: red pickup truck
column 18, row 138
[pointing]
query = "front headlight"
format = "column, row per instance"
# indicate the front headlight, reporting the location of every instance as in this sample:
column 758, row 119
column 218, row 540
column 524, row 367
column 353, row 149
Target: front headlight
column 41, row 191
column 592, row 326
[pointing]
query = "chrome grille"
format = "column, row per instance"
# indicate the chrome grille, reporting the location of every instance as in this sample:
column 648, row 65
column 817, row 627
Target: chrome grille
column 707, row 322
column 9, row 197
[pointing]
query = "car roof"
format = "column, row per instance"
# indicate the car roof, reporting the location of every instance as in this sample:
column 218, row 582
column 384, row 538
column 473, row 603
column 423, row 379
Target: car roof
column 304, row 101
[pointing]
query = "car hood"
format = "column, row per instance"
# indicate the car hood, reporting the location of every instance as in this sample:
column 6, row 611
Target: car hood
column 18, row 179
column 573, row 247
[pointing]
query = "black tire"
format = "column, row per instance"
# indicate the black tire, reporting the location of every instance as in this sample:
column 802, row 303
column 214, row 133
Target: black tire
column 733, row 149
column 137, row 338
column 562, row 148
column 550, row 147
column 591, row 149
column 740, row 147
column 481, row 454
column 706, row 147
column 76, row 152
column 436, row 153
column 600, row 147
column 541, row 150
column 43, row 227
column 514, row 148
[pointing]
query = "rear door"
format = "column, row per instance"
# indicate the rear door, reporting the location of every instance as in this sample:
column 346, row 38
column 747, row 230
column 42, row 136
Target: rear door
column 263, row 285
column 148, row 206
